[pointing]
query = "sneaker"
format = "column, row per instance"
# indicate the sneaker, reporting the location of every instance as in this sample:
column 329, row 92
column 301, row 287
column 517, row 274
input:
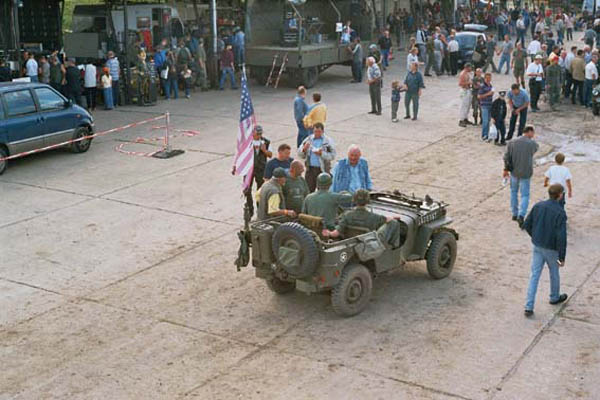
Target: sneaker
column 560, row 299
column 520, row 221
column 514, row 217
column 462, row 124
column 469, row 122
column 407, row 117
column 378, row 113
column 187, row 96
column 395, row 120
column 528, row 313
column 372, row 112
column 414, row 118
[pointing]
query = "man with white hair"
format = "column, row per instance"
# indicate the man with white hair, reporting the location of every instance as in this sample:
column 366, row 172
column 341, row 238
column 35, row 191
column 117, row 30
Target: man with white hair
column 352, row 173
column 374, row 82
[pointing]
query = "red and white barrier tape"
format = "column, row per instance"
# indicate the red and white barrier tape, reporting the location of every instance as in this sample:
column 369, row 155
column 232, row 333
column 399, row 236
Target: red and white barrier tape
column 54, row 146
column 141, row 140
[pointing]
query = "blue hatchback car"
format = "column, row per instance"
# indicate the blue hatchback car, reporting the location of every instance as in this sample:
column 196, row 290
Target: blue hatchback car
column 34, row 115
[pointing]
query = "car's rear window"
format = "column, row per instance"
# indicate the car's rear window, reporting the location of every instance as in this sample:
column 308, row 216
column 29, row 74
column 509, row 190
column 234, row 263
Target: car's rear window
column 466, row 41
column 19, row 102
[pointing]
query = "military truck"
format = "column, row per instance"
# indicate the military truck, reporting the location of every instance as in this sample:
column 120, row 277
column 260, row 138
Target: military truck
column 305, row 35
column 292, row 255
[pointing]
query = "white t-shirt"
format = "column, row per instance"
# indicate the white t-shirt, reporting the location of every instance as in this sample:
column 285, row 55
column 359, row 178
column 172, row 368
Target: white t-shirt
column 89, row 79
column 591, row 72
column 453, row 46
column 558, row 174
column 534, row 68
column 32, row 67
column 410, row 59
column 534, row 47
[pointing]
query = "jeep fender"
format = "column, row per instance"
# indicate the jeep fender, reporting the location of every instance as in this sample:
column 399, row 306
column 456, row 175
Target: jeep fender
column 424, row 236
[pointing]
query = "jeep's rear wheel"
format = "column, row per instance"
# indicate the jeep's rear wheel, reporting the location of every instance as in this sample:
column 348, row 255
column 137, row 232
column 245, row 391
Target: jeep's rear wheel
column 441, row 255
column 296, row 237
column 280, row 287
column 352, row 293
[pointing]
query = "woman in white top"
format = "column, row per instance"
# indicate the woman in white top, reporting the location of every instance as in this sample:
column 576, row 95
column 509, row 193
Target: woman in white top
column 90, row 81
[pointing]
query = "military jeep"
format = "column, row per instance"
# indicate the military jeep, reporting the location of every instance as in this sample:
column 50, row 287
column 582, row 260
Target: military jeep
column 290, row 254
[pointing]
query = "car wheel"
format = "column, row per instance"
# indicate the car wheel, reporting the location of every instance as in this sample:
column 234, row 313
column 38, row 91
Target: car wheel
column 352, row 293
column 296, row 237
column 3, row 153
column 596, row 109
column 280, row 287
column 83, row 145
column 441, row 255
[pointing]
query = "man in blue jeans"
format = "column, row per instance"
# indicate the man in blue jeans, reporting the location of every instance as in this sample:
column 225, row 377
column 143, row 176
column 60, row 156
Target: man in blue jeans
column 486, row 96
column 518, row 163
column 518, row 101
column 547, row 226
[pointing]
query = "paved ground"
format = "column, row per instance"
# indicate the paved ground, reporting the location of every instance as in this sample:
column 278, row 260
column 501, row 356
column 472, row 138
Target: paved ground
column 117, row 276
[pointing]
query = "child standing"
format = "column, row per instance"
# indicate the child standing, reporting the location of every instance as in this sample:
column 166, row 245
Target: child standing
column 106, row 82
column 498, row 114
column 395, row 99
column 559, row 174
column 187, row 78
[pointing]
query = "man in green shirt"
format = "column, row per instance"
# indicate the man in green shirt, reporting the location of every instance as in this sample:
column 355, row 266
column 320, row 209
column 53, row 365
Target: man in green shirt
column 391, row 232
column 324, row 203
column 553, row 78
column 295, row 188
column 519, row 61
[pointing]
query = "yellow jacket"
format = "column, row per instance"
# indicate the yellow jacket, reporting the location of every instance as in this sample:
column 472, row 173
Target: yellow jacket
column 317, row 113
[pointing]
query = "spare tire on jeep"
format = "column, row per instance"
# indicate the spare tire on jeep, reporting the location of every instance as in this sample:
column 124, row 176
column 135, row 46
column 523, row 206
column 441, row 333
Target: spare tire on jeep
column 295, row 249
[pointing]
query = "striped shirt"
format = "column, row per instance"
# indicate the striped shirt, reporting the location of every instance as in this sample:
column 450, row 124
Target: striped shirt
column 113, row 68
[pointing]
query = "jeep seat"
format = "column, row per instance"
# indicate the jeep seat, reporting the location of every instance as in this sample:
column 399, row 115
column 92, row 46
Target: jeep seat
column 311, row 222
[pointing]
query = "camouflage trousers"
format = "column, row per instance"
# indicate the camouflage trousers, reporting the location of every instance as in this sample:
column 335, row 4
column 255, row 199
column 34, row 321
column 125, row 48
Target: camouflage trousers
column 554, row 94
column 392, row 234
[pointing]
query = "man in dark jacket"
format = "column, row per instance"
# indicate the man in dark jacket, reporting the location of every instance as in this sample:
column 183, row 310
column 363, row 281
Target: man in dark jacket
column 498, row 114
column 547, row 226
column 73, row 82
column 385, row 44
column 262, row 151
column 5, row 74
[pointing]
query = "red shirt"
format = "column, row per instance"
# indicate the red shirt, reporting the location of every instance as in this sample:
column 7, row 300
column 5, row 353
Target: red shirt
column 226, row 58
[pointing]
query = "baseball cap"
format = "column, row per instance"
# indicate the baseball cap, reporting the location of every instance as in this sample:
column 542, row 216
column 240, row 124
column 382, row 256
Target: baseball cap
column 539, row 57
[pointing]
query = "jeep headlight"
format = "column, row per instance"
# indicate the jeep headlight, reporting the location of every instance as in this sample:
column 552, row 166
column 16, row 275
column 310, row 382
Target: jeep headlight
column 595, row 92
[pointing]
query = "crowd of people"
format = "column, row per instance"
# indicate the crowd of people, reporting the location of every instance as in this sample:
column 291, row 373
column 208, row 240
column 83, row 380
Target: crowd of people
column 168, row 69
column 317, row 184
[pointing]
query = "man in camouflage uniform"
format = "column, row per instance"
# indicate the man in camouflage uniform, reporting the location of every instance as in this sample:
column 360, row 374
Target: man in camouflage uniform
column 430, row 48
column 390, row 231
column 324, row 203
column 476, row 84
column 553, row 82
column 519, row 62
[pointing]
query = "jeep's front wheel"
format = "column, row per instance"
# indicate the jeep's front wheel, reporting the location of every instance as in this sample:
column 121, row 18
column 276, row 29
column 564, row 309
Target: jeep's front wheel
column 441, row 255
column 280, row 287
column 352, row 293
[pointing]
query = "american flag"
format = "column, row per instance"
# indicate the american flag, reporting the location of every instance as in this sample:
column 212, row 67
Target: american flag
column 244, row 157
